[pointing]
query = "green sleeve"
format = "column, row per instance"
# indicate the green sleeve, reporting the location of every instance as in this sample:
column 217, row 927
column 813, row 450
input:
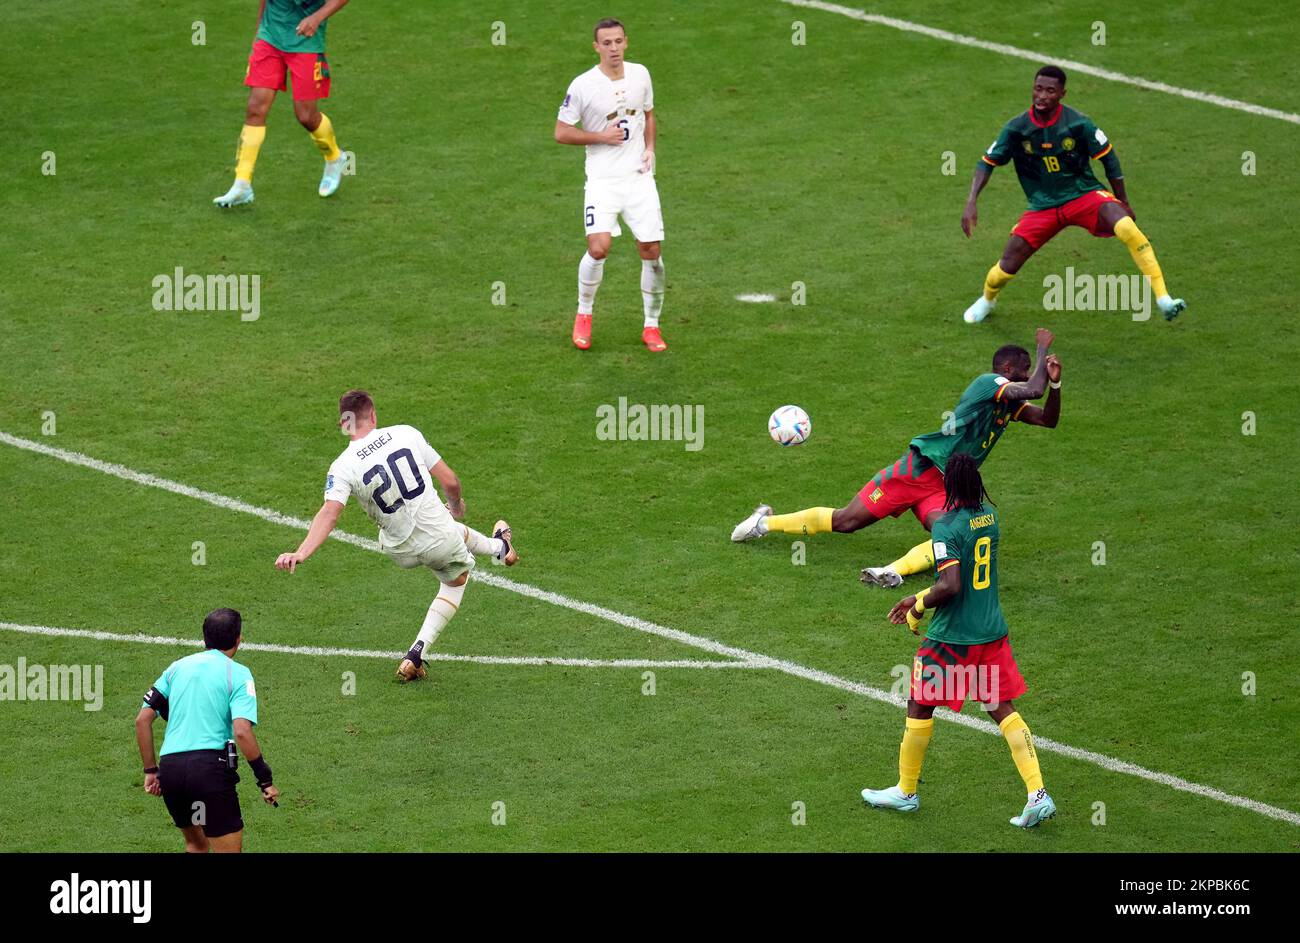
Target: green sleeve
column 999, row 151
column 945, row 543
column 1100, row 148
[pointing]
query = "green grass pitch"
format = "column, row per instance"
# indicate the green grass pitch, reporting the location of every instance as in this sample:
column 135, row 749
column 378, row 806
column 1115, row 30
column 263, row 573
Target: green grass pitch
column 779, row 163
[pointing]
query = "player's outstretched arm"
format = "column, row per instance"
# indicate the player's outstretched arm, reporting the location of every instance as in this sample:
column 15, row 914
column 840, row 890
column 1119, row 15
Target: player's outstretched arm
column 450, row 484
column 572, row 134
column 322, row 525
column 970, row 215
column 1049, row 414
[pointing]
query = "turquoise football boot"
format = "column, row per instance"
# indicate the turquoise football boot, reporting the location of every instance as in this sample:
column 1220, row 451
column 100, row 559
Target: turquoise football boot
column 1039, row 809
column 891, row 798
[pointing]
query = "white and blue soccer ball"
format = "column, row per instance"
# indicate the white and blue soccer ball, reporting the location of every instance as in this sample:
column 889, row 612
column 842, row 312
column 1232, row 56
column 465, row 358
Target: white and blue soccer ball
column 789, row 425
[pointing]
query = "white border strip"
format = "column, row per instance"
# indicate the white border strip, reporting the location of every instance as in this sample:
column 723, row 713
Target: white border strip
column 529, row 660
column 753, row 659
column 1068, row 64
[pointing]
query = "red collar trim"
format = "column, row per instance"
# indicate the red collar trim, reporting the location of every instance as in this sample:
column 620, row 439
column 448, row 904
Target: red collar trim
column 1046, row 124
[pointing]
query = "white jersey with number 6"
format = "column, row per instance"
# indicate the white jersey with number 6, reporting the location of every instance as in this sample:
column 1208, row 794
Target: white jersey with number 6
column 388, row 472
column 599, row 101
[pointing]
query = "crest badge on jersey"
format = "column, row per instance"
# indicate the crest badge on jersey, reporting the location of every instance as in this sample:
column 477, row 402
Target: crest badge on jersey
column 1029, row 147
column 1067, row 144
column 877, row 495
column 329, row 482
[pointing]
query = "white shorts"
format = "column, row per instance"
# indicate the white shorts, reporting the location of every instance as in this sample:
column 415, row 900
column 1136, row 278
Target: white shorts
column 635, row 198
column 442, row 551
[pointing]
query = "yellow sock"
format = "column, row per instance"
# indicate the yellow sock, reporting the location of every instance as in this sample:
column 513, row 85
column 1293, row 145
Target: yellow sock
column 811, row 521
column 250, row 142
column 1021, row 742
column 916, row 737
column 324, row 138
column 1127, row 232
column 917, row 560
column 995, row 281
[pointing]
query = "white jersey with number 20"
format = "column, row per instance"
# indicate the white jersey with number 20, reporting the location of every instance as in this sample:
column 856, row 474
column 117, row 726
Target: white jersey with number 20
column 388, row 472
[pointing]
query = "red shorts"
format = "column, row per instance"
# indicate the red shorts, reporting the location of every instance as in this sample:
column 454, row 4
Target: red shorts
column 896, row 489
column 267, row 67
column 1038, row 226
column 945, row 675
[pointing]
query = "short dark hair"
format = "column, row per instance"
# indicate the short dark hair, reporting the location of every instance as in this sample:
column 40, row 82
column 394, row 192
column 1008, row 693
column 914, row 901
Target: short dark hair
column 221, row 629
column 1052, row 72
column 1008, row 353
column 356, row 402
column 607, row 23
column 962, row 485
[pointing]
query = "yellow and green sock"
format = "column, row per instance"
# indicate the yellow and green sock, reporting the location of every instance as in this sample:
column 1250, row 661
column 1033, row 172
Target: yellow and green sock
column 324, row 138
column 1021, row 742
column 1127, row 232
column 917, row 560
column 911, row 754
column 995, row 281
column 250, row 142
column 810, row 521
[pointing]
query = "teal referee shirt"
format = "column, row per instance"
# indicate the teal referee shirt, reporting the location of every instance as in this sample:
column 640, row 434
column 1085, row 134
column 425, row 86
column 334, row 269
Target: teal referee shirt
column 205, row 693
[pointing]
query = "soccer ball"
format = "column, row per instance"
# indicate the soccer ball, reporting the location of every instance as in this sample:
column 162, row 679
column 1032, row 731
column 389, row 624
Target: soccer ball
column 789, row 425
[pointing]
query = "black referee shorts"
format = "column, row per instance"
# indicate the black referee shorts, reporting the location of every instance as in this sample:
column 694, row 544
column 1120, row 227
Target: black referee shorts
column 199, row 789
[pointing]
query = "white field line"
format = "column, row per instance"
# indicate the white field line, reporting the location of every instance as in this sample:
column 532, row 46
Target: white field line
column 528, row 660
column 1068, row 64
column 695, row 641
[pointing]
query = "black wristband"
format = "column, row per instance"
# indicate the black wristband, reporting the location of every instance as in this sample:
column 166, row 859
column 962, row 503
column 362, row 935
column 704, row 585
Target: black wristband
column 151, row 769
column 261, row 771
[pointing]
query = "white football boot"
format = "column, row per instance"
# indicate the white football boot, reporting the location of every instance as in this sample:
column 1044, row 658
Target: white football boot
column 239, row 194
column 752, row 527
column 891, row 798
column 978, row 311
column 332, row 177
column 882, row 576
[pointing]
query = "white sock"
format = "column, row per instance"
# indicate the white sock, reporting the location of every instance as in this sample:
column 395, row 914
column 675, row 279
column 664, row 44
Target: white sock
column 440, row 612
column 652, row 290
column 590, row 272
column 481, row 545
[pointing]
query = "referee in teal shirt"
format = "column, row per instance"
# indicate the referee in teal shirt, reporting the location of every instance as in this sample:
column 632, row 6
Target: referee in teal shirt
column 208, row 701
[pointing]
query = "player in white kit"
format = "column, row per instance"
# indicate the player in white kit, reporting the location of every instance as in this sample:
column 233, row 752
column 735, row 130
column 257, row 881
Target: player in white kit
column 391, row 471
column 614, row 101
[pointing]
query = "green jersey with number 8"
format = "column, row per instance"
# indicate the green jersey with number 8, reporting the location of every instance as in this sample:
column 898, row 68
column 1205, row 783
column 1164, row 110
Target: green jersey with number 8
column 968, row 538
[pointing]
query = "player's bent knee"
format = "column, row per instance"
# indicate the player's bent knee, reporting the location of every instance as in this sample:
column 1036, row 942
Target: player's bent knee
column 460, row 580
column 649, row 250
column 598, row 249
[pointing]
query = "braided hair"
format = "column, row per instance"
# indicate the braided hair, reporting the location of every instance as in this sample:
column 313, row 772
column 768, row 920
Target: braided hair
column 963, row 486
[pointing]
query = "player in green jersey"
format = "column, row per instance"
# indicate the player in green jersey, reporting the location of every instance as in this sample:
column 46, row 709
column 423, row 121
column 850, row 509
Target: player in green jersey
column 1052, row 146
column 290, row 41
column 915, row 482
column 965, row 653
